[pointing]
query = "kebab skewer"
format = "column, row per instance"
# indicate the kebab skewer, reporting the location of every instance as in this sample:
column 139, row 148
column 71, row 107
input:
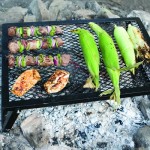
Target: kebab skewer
column 45, row 43
column 34, row 31
column 40, row 60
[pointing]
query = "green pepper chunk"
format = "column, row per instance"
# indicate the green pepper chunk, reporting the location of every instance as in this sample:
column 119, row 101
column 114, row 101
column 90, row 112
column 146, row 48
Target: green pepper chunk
column 41, row 58
column 59, row 59
column 21, row 31
column 37, row 32
column 23, row 61
column 49, row 40
column 53, row 30
column 21, row 47
column 56, row 43
column 38, row 44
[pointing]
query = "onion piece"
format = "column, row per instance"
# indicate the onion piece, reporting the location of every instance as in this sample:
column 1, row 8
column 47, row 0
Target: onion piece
column 48, row 29
column 19, row 62
column 53, row 43
column 32, row 30
column 55, row 61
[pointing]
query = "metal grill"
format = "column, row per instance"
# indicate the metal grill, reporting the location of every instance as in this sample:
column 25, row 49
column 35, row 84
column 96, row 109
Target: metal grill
column 77, row 68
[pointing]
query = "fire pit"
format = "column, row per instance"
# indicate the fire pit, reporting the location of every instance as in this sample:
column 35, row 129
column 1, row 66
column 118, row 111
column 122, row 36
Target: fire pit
column 74, row 92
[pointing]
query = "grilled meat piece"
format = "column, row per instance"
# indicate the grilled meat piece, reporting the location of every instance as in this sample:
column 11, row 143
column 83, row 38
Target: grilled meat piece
column 25, row 82
column 57, row 81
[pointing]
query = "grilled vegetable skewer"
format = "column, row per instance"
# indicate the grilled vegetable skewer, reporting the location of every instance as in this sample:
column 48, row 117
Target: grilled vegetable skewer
column 125, row 46
column 91, row 56
column 34, row 31
column 141, row 47
column 21, row 45
column 40, row 60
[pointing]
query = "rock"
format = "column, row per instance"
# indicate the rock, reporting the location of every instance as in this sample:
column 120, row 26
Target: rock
column 116, row 1
column 10, row 3
column 38, row 8
column 34, row 130
column 84, row 14
column 15, row 140
column 145, row 108
column 143, row 15
column 34, row 8
column 100, row 10
column 1, row 141
column 43, row 10
column 60, row 9
column 60, row 147
column 142, row 138
column 93, row 5
column 29, row 18
column 14, row 14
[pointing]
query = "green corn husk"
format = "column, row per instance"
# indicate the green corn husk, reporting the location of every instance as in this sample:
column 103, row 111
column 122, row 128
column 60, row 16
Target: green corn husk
column 110, row 58
column 91, row 56
column 126, row 46
column 141, row 47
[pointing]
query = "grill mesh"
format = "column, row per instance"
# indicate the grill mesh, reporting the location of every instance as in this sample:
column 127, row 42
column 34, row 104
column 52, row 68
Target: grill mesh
column 77, row 68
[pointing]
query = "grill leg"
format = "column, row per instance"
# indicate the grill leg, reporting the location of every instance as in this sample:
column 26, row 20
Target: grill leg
column 8, row 119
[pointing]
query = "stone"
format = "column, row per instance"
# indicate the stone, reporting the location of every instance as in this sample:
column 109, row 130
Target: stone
column 60, row 147
column 10, row 3
column 14, row 14
column 29, row 18
column 57, row 11
column 143, row 15
column 38, row 8
column 93, row 5
column 15, row 140
column 1, row 141
column 43, row 10
column 142, row 138
column 145, row 108
column 34, row 130
column 84, row 14
column 100, row 10
column 34, row 8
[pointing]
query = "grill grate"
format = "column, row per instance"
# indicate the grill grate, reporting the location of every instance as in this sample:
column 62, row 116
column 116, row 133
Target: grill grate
column 77, row 67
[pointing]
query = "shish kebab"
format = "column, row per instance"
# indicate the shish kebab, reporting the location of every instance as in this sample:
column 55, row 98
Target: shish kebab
column 40, row 60
column 45, row 43
column 34, row 31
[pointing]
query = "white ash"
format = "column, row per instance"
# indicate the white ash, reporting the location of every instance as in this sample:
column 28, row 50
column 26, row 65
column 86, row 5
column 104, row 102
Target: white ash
column 85, row 125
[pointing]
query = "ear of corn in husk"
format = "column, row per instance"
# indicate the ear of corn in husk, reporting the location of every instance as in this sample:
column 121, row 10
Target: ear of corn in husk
column 125, row 46
column 141, row 47
column 91, row 56
column 110, row 58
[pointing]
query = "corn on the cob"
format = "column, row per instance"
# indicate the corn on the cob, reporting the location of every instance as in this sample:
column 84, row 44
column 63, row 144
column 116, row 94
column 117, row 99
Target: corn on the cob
column 141, row 47
column 90, row 53
column 125, row 46
column 110, row 58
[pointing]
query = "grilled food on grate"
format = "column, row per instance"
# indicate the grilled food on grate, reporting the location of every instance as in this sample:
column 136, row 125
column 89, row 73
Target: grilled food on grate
column 34, row 31
column 40, row 60
column 57, row 81
column 25, row 82
column 21, row 45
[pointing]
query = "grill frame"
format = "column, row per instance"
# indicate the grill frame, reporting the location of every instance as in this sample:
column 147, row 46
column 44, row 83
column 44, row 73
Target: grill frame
column 67, row 99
